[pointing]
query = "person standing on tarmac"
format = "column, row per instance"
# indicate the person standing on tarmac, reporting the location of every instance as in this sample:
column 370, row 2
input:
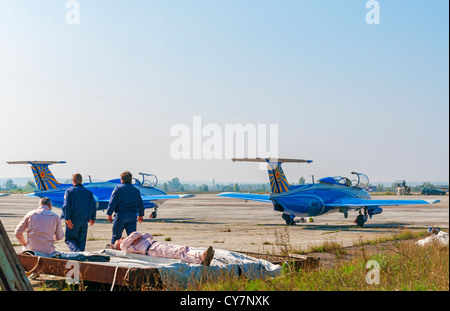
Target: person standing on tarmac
column 126, row 202
column 79, row 209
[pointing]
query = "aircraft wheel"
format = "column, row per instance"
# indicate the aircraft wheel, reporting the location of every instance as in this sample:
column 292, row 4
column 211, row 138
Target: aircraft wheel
column 153, row 215
column 360, row 221
column 287, row 218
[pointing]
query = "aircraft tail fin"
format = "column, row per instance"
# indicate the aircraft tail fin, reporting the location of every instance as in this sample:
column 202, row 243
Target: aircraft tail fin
column 277, row 178
column 42, row 175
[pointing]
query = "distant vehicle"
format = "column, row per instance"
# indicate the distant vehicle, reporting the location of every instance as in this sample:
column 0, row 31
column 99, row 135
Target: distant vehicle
column 49, row 187
column 330, row 194
column 432, row 191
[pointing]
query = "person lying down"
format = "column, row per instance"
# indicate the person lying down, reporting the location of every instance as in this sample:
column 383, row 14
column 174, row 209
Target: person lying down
column 145, row 244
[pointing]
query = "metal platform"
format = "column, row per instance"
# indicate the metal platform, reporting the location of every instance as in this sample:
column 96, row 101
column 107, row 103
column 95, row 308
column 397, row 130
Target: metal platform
column 92, row 271
column 136, row 278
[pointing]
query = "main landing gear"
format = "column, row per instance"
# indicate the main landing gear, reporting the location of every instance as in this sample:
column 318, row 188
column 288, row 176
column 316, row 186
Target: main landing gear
column 154, row 213
column 289, row 219
column 361, row 219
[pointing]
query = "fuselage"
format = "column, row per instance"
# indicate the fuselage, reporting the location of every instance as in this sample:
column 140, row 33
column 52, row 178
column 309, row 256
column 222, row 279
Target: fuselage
column 101, row 190
column 310, row 200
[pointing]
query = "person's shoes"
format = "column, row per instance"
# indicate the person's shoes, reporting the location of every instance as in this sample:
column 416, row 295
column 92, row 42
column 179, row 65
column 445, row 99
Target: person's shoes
column 207, row 256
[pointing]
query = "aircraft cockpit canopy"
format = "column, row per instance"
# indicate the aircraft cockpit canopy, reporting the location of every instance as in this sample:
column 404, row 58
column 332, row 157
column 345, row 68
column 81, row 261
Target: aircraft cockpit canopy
column 336, row 180
column 149, row 180
column 361, row 181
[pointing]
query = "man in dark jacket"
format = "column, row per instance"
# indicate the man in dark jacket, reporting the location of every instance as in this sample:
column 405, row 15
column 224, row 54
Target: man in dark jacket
column 126, row 202
column 79, row 209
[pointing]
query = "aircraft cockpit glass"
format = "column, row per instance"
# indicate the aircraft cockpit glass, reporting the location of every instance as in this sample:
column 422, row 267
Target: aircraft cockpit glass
column 343, row 181
column 149, row 180
column 362, row 181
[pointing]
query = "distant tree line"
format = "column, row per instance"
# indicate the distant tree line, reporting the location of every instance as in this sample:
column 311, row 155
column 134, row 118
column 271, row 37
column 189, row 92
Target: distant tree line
column 175, row 185
column 9, row 185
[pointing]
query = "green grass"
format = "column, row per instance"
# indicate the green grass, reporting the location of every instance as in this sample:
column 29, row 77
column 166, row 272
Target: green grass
column 329, row 247
column 403, row 235
column 404, row 266
column 409, row 267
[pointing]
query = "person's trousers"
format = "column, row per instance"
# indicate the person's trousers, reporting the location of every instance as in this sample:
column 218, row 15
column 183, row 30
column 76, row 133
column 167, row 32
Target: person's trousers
column 182, row 252
column 123, row 221
column 76, row 237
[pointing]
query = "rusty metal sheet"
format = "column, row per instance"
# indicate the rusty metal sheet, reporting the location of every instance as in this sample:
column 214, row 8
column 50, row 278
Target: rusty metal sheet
column 90, row 271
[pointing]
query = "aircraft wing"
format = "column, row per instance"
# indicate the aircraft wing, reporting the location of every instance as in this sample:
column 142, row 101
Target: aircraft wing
column 166, row 197
column 355, row 202
column 157, row 197
column 246, row 196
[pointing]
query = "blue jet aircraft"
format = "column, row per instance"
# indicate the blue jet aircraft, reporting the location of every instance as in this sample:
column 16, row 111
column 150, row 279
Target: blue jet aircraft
column 3, row 194
column 330, row 194
column 49, row 187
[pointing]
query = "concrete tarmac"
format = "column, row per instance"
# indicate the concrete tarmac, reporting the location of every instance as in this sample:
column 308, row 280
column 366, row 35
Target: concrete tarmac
column 244, row 226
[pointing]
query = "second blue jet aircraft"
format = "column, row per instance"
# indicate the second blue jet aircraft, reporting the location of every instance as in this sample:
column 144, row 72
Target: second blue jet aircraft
column 330, row 194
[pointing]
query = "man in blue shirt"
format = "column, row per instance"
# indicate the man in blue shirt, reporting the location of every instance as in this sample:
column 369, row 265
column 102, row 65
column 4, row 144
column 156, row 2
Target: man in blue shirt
column 79, row 209
column 126, row 202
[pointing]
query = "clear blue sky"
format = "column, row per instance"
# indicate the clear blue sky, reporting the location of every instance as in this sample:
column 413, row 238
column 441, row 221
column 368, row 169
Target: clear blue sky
column 103, row 95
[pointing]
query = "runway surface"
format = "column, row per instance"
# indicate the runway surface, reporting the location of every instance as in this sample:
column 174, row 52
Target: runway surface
column 243, row 226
